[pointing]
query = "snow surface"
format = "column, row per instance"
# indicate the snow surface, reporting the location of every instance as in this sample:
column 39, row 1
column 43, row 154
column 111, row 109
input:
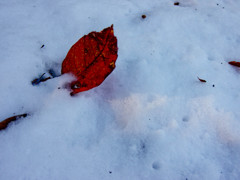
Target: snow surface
column 150, row 119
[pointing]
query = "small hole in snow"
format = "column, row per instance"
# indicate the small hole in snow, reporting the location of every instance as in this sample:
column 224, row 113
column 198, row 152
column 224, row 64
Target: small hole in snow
column 185, row 119
column 156, row 165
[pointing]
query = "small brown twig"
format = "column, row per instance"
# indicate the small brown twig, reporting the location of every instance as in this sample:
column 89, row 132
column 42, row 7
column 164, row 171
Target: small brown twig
column 202, row 80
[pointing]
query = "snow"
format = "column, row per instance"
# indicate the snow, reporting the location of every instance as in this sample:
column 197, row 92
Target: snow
column 150, row 119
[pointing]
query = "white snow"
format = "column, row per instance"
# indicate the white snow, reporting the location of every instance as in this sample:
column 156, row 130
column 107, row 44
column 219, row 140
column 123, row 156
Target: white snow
column 150, row 119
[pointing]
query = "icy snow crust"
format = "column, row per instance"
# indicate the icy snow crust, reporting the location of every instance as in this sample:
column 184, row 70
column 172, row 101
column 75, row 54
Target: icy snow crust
column 150, row 119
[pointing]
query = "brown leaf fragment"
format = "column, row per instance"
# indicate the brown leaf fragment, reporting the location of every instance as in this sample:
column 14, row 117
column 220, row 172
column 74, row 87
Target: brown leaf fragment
column 234, row 63
column 202, row 80
column 4, row 123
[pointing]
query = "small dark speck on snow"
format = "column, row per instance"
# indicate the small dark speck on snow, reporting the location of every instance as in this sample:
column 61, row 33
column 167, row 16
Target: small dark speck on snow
column 144, row 16
column 176, row 3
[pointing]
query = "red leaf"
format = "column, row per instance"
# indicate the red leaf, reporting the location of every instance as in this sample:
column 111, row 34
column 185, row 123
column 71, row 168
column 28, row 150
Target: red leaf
column 234, row 63
column 202, row 80
column 91, row 59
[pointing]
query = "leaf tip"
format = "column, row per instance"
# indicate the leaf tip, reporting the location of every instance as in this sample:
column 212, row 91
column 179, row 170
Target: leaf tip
column 111, row 29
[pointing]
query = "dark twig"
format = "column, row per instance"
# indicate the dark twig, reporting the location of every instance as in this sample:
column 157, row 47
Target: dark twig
column 39, row 80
